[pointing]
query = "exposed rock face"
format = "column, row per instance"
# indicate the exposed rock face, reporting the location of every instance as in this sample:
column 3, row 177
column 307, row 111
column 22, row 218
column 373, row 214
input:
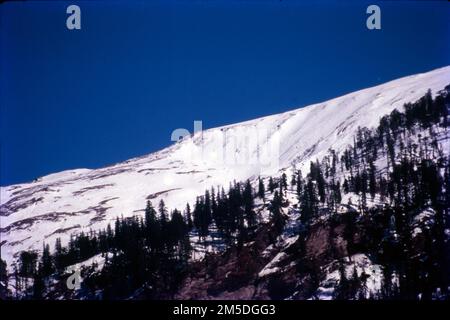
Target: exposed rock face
column 267, row 267
column 231, row 275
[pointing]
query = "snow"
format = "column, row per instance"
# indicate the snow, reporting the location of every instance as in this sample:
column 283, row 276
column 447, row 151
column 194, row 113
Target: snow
column 285, row 240
column 422, row 220
column 72, row 201
column 271, row 266
column 363, row 264
column 212, row 243
column 98, row 259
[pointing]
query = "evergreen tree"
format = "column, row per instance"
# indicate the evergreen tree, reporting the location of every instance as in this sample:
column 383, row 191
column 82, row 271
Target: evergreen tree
column 283, row 183
column 272, row 185
column 308, row 203
column 188, row 216
column 153, row 225
column 38, row 285
column 276, row 212
column 261, row 189
column 27, row 263
column 46, row 261
column 3, row 280
column 299, row 184
column 249, row 213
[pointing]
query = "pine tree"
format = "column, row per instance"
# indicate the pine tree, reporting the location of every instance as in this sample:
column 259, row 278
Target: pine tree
column 372, row 180
column 177, row 232
column 276, row 211
column 202, row 216
column 46, row 261
column 213, row 204
column 150, row 216
column 38, row 285
column 261, row 189
column 162, row 214
column 27, row 263
column 272, row 185
column 293, row 179
column 188, row 216
column 3, row 280
column 163, row 227
column 308, row 203
column 152, row 225
column 17, row 281
column 58, row 255
column 283, row 184
column 249, row 213
column 345, row 186
column 299, row 184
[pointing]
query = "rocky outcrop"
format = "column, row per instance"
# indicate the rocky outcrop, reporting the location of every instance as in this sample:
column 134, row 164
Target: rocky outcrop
column 268, row 267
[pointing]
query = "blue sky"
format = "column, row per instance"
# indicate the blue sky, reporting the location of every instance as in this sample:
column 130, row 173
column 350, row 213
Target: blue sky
column 137, row 70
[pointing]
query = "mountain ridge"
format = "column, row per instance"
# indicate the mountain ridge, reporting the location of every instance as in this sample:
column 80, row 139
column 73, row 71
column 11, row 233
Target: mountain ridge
column 45, row 209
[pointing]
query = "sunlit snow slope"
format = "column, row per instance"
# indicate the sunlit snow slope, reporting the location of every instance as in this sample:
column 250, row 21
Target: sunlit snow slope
column 68, row 202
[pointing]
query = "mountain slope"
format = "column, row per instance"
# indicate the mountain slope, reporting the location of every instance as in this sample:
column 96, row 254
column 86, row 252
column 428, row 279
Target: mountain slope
column 60, row 204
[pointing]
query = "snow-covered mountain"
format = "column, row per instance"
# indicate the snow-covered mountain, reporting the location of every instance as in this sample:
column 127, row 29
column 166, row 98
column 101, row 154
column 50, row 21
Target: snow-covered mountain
column 68, row 202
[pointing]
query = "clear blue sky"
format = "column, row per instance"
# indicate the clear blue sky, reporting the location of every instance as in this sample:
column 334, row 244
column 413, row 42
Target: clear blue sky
column 139, row 69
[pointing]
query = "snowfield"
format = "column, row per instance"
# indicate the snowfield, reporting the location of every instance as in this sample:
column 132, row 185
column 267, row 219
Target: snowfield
column 72, row 201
